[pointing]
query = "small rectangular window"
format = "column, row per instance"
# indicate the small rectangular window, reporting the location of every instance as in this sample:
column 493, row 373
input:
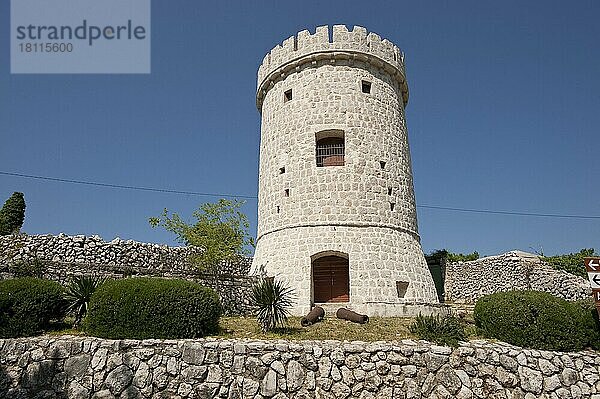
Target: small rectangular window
column 389, row 191
column 282, row 170
column 382, row 164
column 330, row 150
column 366, row 86
column 287, row 96
column 287, row 192
column 392, row 206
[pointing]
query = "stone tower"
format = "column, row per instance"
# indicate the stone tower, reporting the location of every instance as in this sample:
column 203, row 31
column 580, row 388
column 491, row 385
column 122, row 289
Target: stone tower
column 336, row 207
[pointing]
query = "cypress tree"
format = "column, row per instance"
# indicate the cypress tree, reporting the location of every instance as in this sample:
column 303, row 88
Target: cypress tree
column 12, row 214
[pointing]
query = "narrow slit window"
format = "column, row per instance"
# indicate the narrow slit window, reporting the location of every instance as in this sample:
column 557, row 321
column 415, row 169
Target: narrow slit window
column 278, row 209
column 287, row 96
column 282, row 170
column 401, row 288
column 366, row 86
column 392, row 206
column 390, row 191
column 287, row 192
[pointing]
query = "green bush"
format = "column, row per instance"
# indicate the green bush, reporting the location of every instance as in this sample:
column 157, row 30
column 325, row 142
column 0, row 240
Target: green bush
column 28, row 304
column 537, row 320
column 152, row 308
column 592, row 321
column 443, row 330
column 29, row 268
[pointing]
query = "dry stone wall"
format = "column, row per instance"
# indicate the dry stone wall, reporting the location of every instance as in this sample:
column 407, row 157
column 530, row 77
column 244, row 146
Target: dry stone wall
column 465, row 282
column 78, row 367
column 66, row 256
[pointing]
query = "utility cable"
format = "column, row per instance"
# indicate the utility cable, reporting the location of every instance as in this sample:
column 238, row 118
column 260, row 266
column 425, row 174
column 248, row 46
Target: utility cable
column 253, row 197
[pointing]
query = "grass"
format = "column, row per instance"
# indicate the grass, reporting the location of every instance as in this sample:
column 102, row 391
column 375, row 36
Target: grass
column 377, row 329
column 63, row 327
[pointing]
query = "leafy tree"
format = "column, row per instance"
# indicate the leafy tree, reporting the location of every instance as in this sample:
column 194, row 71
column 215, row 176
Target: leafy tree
column 12, row 214
column 221, row 230
column 452, row 257
column 572, row 263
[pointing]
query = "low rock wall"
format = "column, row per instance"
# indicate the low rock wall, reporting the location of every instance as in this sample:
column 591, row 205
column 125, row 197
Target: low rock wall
column 93, row 250
column 61, row 257
column 465, row 282
column 78, row 367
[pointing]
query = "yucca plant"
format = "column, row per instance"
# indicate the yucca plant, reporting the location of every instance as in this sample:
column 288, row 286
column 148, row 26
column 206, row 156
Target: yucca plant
column 272, row 300
column 443, row 330
column 78, row 293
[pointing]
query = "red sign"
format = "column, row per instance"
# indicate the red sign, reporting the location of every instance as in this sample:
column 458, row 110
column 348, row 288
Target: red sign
column 592, row 265
column 596, row 294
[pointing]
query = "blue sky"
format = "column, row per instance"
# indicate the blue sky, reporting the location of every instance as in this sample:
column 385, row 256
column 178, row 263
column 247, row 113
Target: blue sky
column 503, row 115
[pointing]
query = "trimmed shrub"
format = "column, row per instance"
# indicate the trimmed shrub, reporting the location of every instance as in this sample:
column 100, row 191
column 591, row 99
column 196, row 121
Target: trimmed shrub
column 152, row 308
column 28, row 304
column 591, row 320
column 535, row 319
column 443, row 330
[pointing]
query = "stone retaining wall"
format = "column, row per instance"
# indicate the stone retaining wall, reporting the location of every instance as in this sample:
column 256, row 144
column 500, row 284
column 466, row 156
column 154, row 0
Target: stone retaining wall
column 63, row 257
column 465, row 282
column 78, row 367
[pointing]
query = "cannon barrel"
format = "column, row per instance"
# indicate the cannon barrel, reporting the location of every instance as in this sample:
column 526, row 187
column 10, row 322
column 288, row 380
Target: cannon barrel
column 314, row 316
column 347, row 314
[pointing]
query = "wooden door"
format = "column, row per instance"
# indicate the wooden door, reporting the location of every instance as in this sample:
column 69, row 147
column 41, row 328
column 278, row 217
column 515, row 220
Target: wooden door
column 331, row 280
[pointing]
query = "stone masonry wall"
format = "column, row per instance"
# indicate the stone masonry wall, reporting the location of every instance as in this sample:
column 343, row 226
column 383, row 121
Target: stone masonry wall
column 66, row 256
column 78, row 367
column 312, row 87
column 373, row 269
column 467, row 281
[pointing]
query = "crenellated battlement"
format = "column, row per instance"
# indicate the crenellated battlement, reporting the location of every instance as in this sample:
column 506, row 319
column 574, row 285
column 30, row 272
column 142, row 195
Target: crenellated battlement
column 357, row 44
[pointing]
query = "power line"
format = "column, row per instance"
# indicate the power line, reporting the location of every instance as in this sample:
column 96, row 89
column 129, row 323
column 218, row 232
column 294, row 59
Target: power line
column 126, row 187
column 163, row 190
column 515, row 213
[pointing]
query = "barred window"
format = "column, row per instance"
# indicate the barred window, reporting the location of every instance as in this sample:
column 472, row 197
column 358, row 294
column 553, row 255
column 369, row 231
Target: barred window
column 330, row 149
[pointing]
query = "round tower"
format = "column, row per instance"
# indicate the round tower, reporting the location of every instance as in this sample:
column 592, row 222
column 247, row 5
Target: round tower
column 336, row 208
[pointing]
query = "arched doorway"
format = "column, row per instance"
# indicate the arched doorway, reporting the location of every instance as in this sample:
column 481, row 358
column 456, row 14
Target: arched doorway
column 331, row 278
